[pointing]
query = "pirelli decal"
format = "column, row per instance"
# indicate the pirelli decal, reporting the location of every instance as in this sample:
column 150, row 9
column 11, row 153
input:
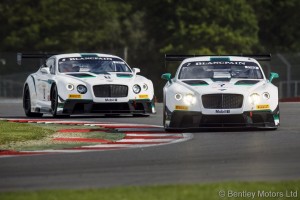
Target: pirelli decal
column 74, row 96
column 143, row 96
column 262, row 106
column 179, row 107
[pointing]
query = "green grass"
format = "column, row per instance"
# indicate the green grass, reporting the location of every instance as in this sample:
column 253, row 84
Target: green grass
column 16, row 132
column 168, row 192
column 30, row 137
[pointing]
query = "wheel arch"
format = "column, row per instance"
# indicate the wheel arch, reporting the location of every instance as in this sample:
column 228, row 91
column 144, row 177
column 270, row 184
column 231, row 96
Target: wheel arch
column 31, row 85
column 51, row 88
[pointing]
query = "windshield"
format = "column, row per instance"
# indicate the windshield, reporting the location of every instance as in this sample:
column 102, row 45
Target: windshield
column 97, row 65
column 220, row 69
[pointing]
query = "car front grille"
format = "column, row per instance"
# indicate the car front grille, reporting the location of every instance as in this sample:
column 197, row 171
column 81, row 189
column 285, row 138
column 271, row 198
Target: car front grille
column 222, row 101
column 110, row 91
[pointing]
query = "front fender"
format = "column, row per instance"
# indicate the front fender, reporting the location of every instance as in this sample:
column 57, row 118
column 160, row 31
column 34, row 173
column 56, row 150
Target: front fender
column 31, row 84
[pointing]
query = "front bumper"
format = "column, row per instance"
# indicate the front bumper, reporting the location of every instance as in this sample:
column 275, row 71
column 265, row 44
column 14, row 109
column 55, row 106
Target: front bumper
column 248, row 119
column 81, row 106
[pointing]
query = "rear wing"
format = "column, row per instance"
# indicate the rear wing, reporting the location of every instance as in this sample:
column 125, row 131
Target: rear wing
column 44, row 56
column 258, row 57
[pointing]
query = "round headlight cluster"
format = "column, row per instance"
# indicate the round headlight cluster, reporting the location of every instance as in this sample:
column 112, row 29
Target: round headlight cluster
column 136, row 89
column 254, row 98
column 266, row 95
column 189, row 99
column 81, row 89
column 178, row 97
column 145, row 86
column 70, row 87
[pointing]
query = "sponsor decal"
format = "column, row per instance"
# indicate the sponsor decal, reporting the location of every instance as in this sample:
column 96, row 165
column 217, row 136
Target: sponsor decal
column 179, row 107
column 74, row 96
column 222, row 111
column 111, row 100
column 84, row 58
column 221, row 63
column 143, row 96
column 251, row 67
column 119, row 62
column 90, row 58
column 263, row 106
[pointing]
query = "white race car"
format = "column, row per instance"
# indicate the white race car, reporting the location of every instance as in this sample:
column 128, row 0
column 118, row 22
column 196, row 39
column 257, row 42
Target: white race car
column 220, row 91
column 80, row 83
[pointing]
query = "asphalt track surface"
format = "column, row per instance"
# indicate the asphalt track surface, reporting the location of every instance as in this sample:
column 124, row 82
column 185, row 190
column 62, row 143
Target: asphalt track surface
column 209, row 157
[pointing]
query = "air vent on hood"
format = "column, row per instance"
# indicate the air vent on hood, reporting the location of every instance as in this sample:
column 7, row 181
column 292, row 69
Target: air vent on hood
column 124, row 75
column 82, row 75
column 246, row 82
column 196, row 82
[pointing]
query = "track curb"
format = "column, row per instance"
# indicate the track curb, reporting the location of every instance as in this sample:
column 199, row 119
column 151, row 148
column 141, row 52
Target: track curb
column 136, row 136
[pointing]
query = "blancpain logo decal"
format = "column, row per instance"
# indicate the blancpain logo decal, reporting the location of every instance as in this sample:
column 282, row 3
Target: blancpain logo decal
column 222, row 111
column 221, row 63
column 89, row 58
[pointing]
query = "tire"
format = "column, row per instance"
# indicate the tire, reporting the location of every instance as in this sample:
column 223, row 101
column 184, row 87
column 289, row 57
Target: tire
column 54, row 101
column 164, row 116
column 27, row 104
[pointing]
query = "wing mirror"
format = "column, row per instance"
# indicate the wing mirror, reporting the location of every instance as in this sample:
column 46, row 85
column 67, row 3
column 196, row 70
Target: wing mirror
column 45, row 70
column 273, row 75
column 167, row 76
column 136, row 70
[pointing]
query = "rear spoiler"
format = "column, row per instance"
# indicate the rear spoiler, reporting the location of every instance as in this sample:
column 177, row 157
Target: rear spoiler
column 258, row 57
column 20, row 56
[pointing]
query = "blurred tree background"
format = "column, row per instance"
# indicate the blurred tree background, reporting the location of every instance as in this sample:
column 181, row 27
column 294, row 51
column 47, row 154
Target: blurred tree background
column 149, row 29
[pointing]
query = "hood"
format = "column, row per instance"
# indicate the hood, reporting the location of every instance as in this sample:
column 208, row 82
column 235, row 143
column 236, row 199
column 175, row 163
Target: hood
column 109, row 78
column 207, row 86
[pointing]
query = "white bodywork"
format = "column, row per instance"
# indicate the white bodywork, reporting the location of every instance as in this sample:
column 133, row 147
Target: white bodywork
column 182, row 97
column 41, row 83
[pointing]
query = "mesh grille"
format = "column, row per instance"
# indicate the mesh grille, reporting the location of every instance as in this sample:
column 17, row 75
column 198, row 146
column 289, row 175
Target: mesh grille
column 220, row 101
column 110, row 90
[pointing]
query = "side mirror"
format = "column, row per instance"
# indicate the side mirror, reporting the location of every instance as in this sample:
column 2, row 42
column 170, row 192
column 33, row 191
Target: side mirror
column 45, row 70
column 273, row 75
column 167, row 76
column 136, row 70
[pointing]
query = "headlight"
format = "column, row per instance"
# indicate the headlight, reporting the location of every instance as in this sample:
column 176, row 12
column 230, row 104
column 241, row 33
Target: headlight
column 266, row 95
column 70, row 87
column 81, row 89
column 189, row 99
column 178, row 97
column 136, row 89
column 145, row 86
column 254, row 98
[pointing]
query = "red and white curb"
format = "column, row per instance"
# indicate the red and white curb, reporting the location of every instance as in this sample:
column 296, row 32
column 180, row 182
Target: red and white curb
column 136, row 136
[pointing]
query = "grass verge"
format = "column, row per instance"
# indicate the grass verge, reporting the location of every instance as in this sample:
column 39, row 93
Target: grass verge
column 30, row 137
column 231, row 190
column 11, row 132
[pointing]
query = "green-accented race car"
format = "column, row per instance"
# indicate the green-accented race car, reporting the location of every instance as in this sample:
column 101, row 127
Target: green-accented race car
column 220, row 91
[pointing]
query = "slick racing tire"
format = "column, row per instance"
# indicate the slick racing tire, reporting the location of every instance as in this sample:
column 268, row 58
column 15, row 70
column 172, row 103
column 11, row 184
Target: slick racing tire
column 27, row 104
column 54, row 103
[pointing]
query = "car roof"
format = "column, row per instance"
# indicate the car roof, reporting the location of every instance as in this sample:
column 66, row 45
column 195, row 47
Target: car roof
column 219, row 58
column 58, row 56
